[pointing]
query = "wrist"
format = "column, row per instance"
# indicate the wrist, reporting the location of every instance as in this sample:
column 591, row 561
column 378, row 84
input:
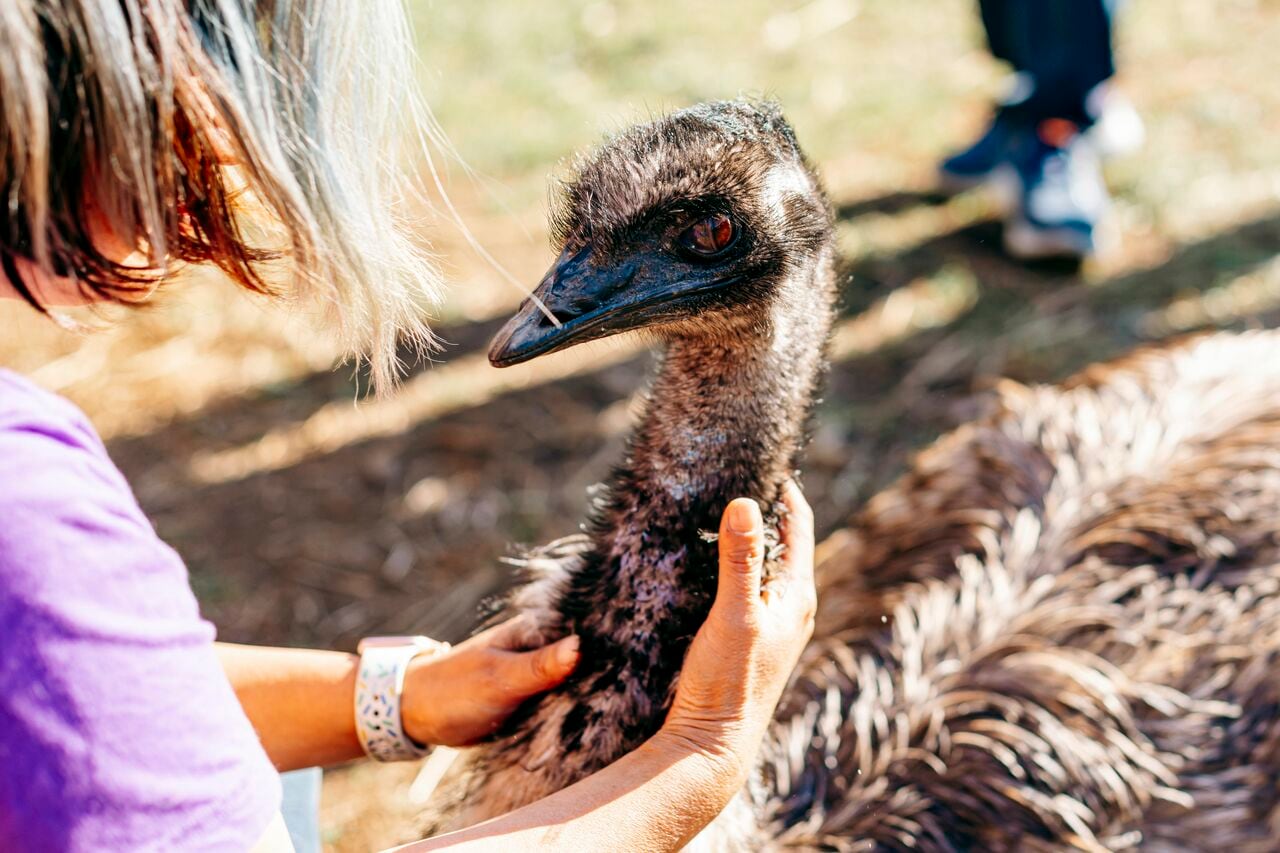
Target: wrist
column 415, row 712
column 381, row 720
column 720, row 746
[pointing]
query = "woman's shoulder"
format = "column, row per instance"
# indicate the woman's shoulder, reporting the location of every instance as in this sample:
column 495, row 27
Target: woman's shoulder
column 24, row 403
column 119, row 728
column 67, row 515
column 47, row 445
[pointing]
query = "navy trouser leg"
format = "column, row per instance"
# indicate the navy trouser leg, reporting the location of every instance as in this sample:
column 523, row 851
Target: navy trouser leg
column 998, row 20
column 1064, row 46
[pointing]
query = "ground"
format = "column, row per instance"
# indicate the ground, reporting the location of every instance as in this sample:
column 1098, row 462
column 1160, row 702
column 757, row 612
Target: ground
column 308, row 519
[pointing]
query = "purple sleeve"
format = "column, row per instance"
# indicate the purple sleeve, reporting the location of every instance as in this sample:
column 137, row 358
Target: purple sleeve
column 118, row 729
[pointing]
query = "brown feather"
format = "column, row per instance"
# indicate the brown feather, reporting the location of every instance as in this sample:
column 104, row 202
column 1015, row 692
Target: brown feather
column 1056, row 631
column 1059, row 629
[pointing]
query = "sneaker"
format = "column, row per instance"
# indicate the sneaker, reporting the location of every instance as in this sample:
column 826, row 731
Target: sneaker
column 1117, row 128
column 977, row 163
column 1061, row 197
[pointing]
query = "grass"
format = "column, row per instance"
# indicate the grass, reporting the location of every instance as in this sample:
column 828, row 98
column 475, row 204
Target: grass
column 306, row 520
column 519, row 93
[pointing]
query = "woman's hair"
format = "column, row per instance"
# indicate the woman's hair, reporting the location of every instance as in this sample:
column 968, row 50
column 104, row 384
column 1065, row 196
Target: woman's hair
column 127, row 112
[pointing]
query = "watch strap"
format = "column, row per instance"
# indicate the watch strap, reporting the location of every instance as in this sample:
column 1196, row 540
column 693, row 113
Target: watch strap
column 384, row 661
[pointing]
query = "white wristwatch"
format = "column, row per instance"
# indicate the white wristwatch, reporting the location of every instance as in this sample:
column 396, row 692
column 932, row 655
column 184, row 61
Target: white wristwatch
column 379, row 684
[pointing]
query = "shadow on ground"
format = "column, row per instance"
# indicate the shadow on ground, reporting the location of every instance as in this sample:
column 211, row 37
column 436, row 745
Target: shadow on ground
column 405, row 531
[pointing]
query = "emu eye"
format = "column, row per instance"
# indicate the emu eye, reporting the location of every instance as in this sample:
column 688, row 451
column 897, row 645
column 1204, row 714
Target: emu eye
column 709, row 237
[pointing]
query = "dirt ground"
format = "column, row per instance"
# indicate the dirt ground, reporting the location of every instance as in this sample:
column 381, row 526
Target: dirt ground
column 308, row 519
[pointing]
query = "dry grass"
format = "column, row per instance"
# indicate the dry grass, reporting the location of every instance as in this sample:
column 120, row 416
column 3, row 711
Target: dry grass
column 307, row 520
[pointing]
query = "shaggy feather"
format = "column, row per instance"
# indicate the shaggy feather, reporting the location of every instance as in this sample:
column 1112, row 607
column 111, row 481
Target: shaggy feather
column 725, row 417
column 1057, row 631
column 1080, row 599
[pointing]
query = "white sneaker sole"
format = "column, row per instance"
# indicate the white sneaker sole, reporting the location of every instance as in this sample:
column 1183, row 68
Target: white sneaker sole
column 1119, row 129
column 1028, row 242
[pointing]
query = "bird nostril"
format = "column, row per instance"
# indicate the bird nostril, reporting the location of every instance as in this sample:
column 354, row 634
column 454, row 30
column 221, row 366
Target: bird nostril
column 571, row 309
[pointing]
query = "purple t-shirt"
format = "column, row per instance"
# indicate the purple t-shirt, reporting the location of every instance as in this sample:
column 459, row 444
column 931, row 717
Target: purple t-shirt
column 118, row 729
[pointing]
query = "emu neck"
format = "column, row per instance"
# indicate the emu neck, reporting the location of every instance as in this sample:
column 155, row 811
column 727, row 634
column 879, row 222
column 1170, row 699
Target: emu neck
column 726, row 418
column 727, row 414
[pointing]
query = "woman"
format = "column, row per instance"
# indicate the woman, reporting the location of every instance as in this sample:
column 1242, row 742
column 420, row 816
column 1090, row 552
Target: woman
column 138, row 136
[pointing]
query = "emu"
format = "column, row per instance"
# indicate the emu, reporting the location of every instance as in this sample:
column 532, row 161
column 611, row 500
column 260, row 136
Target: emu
column 1056, row 631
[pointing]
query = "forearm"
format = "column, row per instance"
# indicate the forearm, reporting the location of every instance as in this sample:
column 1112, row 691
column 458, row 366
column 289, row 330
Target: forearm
column 655, row 798
column 299, row 702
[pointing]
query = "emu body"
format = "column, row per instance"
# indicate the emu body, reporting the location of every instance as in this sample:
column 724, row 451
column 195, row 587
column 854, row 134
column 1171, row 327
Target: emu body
column 1060, row 630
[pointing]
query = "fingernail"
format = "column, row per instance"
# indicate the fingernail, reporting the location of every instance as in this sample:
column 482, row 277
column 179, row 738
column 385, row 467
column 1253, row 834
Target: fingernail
column 567, row 653
column 743, row 515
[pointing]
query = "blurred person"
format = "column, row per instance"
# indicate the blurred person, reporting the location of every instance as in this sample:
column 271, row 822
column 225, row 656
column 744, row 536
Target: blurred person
column 138, row 136
column 1048, row 136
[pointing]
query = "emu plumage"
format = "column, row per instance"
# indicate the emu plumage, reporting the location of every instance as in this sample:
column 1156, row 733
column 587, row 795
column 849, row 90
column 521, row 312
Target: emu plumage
column 725, row 418
column 1059, row 630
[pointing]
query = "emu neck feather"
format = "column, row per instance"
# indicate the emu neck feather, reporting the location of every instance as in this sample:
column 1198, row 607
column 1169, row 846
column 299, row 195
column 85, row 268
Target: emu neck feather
column 725, row 418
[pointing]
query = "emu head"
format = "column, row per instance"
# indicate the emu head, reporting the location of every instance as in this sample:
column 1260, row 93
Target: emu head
column 690, row 225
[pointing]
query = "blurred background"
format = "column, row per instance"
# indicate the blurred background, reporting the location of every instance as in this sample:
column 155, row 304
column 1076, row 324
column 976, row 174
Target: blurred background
column 306, row 519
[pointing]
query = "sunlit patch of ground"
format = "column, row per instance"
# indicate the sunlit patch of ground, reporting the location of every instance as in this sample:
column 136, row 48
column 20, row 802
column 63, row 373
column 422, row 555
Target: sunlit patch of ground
column 305, row 519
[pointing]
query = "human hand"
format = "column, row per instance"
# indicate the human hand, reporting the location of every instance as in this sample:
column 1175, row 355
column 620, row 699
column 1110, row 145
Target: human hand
column 459, row 696
column 742, row 657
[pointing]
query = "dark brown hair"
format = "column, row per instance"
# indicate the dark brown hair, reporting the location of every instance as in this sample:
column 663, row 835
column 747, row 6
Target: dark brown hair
column 247, row 135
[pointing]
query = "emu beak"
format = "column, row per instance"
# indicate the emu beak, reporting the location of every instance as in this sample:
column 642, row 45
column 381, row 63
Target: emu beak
column 580, row 296
column 591, row 302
